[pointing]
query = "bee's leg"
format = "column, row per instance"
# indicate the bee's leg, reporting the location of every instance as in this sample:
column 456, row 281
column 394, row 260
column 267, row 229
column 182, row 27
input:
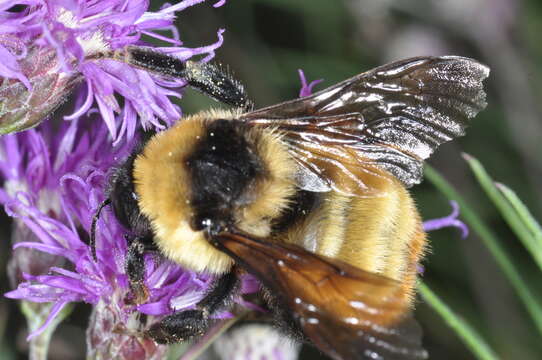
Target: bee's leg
column 184, row 325
column 135, row 268
column 210, row 79
column 218, row 83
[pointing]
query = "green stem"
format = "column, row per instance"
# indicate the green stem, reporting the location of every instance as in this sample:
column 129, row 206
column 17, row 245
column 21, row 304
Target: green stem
column 491, row 242
column 507, row 210
column 470, row 337
column 524, row 213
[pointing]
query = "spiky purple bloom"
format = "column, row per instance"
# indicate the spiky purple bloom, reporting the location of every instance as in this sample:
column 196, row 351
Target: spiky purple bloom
column 49, row 47
column 32, row 165
column 56, row 182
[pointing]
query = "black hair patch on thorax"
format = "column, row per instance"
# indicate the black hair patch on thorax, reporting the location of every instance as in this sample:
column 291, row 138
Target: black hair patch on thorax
column 221, row 167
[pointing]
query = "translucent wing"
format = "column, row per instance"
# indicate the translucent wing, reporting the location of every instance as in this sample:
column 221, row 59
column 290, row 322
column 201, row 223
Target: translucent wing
column 381, row 122
column 348, row 313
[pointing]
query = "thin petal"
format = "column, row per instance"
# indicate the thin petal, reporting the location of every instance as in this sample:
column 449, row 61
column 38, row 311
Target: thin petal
column 448, row 221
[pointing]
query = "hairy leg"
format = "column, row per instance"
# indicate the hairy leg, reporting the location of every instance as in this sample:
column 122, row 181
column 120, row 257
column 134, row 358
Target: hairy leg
column 135, row 268
column 184, row 325
column 210, row 79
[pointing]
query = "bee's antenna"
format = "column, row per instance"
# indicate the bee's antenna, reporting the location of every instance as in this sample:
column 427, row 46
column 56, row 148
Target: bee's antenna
column 95, row 218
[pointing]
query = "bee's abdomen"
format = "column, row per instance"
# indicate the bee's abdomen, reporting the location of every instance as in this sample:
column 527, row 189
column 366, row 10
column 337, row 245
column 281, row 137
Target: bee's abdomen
column 381, row 234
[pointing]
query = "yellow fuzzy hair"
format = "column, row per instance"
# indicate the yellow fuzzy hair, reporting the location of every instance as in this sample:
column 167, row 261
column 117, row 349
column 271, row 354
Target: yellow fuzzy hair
column 162, row 184
column 382, row 234
column 164, row 190
column 272, row 192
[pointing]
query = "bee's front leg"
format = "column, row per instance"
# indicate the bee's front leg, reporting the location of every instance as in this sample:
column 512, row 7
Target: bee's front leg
column 185, row 325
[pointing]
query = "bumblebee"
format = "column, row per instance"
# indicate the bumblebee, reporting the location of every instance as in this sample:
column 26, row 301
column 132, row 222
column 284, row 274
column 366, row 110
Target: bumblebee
column 309, row 195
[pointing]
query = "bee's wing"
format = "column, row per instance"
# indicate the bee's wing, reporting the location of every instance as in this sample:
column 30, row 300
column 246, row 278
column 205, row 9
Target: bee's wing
column 346, row 312
column 391, row 118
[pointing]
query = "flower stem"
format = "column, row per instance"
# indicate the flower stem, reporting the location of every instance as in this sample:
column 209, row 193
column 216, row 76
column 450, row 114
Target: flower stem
column 470, row 337
column 35, row 314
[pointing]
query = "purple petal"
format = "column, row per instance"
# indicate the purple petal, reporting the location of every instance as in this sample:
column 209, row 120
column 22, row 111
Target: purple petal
column 155, row 309
column 161, row 37
column 420, row 269
column 186, row 301
column 448, row 221
column 66, row 145
column 181, row 6
column 9, row 67
column 85, row 106
column 223, row 315
column 61, row 282
column 251, row 306
column 249, row 284
column 306, row 89
column 108, row 116
column 49, row 249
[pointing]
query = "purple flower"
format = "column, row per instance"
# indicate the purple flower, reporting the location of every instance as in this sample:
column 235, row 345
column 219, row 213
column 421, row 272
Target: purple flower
column 49, row 47
column 32, row 165
column 55, row 183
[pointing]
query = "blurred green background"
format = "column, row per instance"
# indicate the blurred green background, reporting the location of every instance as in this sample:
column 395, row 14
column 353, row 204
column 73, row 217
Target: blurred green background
column 266, row 42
